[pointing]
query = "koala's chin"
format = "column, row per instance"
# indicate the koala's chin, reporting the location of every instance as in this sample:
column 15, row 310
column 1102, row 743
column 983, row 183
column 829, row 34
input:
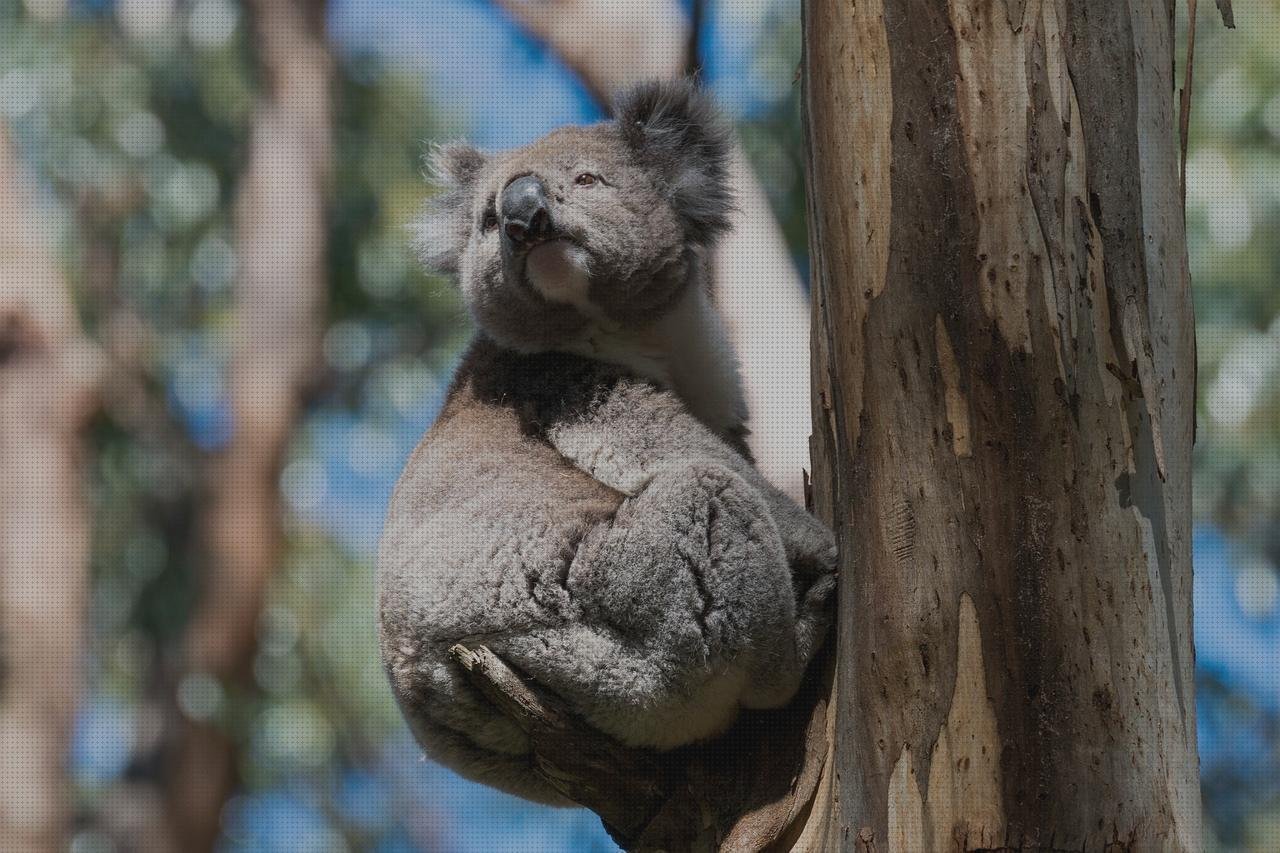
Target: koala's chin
column 585, row 504
column 560, row 270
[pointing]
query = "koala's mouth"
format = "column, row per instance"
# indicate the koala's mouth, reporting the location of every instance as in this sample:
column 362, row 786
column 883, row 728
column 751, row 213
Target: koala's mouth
column 530, row 242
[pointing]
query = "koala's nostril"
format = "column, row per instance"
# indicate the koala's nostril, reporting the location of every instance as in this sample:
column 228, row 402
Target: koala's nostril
column 515, row 230
column 518, row 230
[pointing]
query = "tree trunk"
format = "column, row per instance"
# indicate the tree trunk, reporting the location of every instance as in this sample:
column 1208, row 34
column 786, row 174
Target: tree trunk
column 47, row 376
column 279, row 298
column 1003, row 385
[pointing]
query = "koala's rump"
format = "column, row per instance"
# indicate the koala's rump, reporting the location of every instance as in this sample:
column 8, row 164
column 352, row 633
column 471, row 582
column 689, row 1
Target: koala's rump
column 477, row 546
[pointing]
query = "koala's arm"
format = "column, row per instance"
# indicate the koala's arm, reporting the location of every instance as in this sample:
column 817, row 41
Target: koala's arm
column 636, row 430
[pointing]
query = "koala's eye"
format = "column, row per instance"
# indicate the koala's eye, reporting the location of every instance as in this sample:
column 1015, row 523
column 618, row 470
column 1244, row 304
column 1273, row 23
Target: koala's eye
column 586, row 179
column 490, row 219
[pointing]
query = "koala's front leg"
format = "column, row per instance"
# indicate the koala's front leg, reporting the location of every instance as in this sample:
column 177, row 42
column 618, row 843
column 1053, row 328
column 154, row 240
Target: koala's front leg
column 637, row 429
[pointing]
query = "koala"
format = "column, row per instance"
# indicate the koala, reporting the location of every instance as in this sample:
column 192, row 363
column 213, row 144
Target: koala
column 585, row 505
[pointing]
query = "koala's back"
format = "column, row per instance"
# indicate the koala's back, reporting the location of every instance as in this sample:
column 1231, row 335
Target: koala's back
column 478, row 541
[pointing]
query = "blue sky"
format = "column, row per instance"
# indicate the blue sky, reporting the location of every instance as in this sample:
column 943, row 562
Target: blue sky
column 499, row 88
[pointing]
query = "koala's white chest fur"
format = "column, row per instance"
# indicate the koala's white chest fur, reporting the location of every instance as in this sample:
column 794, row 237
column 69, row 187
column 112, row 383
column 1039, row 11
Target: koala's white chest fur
column 686, row 350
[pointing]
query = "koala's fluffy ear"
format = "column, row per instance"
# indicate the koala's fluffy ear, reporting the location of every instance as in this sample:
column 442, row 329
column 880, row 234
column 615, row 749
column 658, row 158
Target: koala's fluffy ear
column 673, row 129
column 440, row 233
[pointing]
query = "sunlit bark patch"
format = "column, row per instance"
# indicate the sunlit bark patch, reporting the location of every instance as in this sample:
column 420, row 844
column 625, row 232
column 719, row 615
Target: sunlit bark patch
column 963, row 808
column 992, row 98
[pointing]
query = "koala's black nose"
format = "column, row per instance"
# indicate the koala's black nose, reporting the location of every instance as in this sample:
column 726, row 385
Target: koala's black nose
column 524, row 208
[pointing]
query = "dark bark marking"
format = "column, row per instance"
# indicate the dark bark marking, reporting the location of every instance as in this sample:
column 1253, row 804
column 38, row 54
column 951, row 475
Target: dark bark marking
column 901, row 525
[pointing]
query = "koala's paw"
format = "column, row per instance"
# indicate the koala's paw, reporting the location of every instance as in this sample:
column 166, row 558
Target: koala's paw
column 814, row 615
column 810, row 546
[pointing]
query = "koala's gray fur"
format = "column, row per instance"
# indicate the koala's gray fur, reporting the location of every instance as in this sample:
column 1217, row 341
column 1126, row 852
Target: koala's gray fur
column 585, row 505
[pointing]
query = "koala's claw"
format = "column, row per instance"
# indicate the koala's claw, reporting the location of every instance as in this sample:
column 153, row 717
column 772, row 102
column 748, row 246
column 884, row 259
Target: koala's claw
column 811, row 548
column 818, row 597
column 815, row 613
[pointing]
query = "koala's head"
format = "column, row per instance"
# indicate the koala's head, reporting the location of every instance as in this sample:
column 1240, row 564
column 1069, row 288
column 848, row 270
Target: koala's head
column 588, row 224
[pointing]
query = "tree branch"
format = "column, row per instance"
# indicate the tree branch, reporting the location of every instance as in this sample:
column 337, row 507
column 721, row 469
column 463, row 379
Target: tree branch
column 609, row 45
column 48, row 379
column 1228, row 16
column 280, row 292
column 747, row 790
column 625, row 786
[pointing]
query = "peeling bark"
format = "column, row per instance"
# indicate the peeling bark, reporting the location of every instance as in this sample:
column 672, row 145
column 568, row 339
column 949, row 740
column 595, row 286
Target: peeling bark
column 48, row 373
column 1003, row 384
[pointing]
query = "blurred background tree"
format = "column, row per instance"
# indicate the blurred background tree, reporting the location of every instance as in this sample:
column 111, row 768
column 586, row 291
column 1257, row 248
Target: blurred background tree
column 138, row 119
column 1233, row 234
